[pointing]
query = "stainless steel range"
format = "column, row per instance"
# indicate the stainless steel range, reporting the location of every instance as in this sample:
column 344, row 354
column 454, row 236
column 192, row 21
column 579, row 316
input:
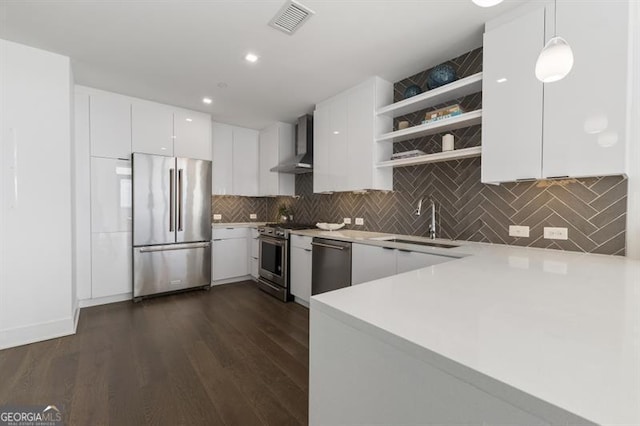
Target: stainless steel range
column 274, row 258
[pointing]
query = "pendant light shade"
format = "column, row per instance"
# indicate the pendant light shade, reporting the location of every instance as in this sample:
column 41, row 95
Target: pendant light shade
column 555, row 61
column 487, row 3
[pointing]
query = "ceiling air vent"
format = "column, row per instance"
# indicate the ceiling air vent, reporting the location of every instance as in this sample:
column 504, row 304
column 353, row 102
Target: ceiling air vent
column 291, row 17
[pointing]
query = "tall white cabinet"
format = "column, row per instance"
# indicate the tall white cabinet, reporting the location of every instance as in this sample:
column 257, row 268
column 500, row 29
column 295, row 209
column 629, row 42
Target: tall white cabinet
column 276, row 145
column 575, row 127
column 235, row 160
column 345, row 150
column 37, row 292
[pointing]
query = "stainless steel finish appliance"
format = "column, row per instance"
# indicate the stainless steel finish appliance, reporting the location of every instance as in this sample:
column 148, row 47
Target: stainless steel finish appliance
column 303, row 160
column 171, row 224
column 274, row 259
column 331, row 265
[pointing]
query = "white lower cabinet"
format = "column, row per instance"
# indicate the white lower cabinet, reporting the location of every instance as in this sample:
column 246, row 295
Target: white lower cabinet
column 111, row 264
column 254, row 249
column 370, row 263
column 412, row 260
column 230, row 252
column 300, row 268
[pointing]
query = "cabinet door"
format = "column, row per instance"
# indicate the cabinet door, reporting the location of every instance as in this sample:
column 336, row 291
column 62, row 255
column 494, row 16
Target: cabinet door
column 321, row 124
column 301, row 261
column 110, row 123
column 370, row 263
column 361, row 143
column 245, row 162
column 268, row 148
column 412, row 260
column 512, row 100
column 585, row 114
column 222, row 157
column 230, row 258
column 111, row 195
column 110, row 264
column 338, row 145
column 192, row 134
column 152, row 128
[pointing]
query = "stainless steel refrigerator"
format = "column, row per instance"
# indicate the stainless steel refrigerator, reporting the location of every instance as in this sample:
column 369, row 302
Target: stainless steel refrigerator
column 171, row 224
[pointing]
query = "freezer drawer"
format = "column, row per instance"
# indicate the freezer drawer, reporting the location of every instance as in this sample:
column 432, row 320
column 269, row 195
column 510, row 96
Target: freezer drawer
column 161, row 269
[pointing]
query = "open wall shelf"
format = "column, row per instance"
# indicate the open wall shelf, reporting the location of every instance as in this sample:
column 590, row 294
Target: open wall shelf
column 457, row 154
column 459, row 121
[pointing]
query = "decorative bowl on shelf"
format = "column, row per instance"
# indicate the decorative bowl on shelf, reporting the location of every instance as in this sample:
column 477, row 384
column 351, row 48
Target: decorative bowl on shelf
column 412, row 91
column 440, row 75
column 330, row 226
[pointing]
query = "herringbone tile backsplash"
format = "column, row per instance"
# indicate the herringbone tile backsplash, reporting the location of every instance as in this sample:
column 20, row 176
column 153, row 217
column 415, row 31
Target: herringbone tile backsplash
column 593, row 209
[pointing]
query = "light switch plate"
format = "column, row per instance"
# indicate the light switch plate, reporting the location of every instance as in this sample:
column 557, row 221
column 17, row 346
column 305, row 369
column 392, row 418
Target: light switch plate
column 519, row 231
column 347, row 221
column 359, row 221
column 556, row 233
column 253, row 216
column 217, row 217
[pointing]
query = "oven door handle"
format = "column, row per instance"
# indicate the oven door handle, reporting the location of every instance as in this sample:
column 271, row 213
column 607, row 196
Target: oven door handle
column 273, row 241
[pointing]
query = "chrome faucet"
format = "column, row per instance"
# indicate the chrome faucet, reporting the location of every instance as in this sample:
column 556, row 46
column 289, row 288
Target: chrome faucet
column 432, row 226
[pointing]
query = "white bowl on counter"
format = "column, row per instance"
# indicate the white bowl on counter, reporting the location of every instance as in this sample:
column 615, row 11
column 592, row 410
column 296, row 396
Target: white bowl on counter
column 330, row 226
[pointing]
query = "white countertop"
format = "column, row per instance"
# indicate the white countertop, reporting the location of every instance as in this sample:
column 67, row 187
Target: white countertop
column 563, row 327
column 215, row 225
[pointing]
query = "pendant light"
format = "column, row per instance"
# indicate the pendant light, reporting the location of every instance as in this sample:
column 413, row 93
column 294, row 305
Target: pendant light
column 556, row 58
column 487, row 3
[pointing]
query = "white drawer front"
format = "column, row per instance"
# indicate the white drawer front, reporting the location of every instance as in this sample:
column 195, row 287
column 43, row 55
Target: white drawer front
column 229, row 232
column 301, row 241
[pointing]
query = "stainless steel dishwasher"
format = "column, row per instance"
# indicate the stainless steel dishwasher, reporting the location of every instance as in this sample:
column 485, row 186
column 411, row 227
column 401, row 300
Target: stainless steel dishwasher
column 331, row 265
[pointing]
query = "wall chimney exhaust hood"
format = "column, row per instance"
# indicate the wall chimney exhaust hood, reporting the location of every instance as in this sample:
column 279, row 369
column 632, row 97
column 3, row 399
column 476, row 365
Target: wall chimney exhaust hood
column 303, row 160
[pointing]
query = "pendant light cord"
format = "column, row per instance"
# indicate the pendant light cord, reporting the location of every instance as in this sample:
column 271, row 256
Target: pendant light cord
column 555, row 18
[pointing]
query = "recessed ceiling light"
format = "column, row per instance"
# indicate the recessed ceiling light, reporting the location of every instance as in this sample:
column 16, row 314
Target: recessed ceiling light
column 335, row 132
column 189, row 120
column 251, row 57
column 486, row 3
column 207, row 100
column 501, row 80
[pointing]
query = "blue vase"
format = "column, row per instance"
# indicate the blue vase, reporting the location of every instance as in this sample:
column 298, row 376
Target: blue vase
column 412, row 91
column 440, row 75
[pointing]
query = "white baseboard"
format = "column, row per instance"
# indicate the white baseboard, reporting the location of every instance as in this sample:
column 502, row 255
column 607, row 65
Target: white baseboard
column 86, row 303
column 36, row 333
column 234, row 280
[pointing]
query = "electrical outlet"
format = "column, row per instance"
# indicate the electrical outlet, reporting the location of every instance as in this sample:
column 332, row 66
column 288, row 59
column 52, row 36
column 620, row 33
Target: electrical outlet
column 556, row 233
column 217, row 217
column 347, row 221
column 519, row 231
column 359, row 221
column 253, row 216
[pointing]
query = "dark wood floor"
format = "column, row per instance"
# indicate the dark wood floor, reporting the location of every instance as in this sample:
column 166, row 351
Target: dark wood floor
column 230, row 356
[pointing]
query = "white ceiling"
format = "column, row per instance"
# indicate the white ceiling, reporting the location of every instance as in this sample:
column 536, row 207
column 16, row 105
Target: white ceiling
column 177, row 51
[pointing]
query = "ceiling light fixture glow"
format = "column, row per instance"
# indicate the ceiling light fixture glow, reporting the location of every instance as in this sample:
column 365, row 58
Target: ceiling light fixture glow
column 207, row 101
column 335, row 132
column 189, row 120
column 251, row 57
column 487, row 3
column 501, row 80
column 556, row 58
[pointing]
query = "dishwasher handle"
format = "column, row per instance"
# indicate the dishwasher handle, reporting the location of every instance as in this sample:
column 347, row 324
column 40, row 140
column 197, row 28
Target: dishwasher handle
column 329, row 246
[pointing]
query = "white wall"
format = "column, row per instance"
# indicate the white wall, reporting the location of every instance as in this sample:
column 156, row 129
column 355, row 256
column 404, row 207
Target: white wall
column 633, row 153
column 36, row 287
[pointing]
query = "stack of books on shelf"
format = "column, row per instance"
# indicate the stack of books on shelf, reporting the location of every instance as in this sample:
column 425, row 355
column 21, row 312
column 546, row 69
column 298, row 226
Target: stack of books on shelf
column 443, row 113
column 407, row 154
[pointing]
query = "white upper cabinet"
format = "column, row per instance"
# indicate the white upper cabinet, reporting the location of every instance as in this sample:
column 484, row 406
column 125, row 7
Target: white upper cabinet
column 222, row 157
column 152, row 128
column 235, row 160
column 111, row 189
column 276, row 145
column 575, row 127
column 245, row 162
column 512, row 100
column 585, row 114
column 192, row 132
column 110, row 124
column 345, row 150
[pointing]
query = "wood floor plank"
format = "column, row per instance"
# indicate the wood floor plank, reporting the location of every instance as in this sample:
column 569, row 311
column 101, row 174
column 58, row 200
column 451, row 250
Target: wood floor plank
column 229, row 356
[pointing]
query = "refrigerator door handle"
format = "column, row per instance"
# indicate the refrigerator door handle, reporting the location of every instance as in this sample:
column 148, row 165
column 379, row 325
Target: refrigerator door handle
column 172, row 203
column 170, row 247
column 180, row 201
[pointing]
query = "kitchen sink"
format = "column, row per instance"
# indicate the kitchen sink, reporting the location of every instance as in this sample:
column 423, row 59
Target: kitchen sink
column 420, row 243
